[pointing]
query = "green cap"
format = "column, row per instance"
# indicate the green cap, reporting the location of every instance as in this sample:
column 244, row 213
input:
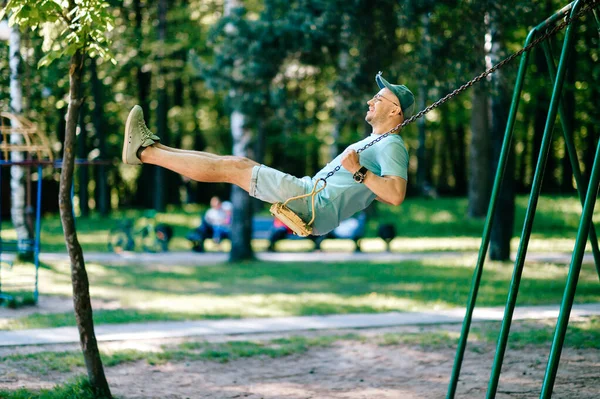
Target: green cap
column 407, row 99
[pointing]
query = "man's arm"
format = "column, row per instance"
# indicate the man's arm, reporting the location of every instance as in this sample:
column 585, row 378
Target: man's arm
column 388, row 189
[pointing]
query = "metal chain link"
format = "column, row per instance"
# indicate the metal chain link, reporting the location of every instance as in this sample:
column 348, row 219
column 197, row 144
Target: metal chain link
column 567, row 21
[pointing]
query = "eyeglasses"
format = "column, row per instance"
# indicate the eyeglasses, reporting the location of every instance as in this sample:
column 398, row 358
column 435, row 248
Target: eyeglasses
column 377, row 97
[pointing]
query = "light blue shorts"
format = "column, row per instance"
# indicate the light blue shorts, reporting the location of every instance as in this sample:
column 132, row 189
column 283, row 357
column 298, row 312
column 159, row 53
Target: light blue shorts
column 270, row 185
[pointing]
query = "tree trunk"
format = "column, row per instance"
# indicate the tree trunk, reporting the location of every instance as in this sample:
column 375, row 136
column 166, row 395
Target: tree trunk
column 83, row 170
column 479, row 154
column 460, row 171
column 568, row 101
column 17, row 173
column 241, row 227
column 144, row 83
column 341, row 107
column 161, row 112
column 425, row 56
column 81, row 294
column 503, row 223
column 102, row 193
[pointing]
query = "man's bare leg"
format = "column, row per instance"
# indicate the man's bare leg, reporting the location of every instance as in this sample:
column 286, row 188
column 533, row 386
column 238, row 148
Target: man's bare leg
column 201, row 166
column 140, row 145
column 166, row 148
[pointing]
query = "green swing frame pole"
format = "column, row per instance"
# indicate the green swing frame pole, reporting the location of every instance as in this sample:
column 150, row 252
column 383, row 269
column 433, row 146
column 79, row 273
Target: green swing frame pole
column 586, row 227
column 572, row 278
column 529, row 215
column 572, row 153
column 493, row 200
column 487, row 231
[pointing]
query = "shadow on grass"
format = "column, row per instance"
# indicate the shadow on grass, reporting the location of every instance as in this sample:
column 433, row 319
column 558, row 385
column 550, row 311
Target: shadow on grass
column 429, row 283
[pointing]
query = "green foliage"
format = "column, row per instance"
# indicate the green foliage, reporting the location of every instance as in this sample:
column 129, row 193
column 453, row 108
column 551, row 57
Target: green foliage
column 302, row 69
column 67, row 26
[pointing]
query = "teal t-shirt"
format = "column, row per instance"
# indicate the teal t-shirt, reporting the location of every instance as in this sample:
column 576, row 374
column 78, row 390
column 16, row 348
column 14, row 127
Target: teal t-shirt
column 343, row 197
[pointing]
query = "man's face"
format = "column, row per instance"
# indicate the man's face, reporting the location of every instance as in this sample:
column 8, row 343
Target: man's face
column 381, row 105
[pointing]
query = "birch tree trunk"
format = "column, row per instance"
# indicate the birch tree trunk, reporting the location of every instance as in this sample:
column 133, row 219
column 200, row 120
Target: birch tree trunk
column 17, row 173
column 161, row 112
column 79, row 277
column 241, row 227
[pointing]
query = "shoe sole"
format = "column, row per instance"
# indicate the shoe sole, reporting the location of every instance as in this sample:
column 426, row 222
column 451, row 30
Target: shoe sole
column 127, row 138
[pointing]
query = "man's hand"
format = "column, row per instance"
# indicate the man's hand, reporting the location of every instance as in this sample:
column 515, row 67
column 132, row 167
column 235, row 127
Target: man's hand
column 350, row 161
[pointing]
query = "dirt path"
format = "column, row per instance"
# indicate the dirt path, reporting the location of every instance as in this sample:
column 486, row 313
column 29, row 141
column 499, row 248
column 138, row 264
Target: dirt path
column 348, row 369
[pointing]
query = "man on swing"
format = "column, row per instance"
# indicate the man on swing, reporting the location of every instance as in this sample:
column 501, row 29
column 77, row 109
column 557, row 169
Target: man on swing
column 379, row 173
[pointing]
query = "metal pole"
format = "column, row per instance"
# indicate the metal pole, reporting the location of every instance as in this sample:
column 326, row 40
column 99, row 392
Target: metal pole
column 1, row 295
column 572, row 152
column 38, row 230
column 572, row 278
column 508, row 134
column 533, row 200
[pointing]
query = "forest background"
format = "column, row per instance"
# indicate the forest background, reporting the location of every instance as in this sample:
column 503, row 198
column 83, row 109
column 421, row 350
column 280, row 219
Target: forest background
column 286, row 83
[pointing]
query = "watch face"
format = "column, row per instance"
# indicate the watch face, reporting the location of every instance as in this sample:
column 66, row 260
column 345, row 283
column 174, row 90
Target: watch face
column 358, row 177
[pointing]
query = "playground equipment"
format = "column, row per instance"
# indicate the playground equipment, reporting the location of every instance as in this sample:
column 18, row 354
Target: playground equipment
column 587, row 194
column 33, row 144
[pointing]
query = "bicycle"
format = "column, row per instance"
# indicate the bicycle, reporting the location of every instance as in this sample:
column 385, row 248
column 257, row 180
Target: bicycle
column 152, row 237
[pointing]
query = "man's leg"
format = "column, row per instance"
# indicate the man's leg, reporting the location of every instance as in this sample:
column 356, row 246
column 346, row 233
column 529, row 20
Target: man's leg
column 164, row 147
column 140, row 145
column 201, row 166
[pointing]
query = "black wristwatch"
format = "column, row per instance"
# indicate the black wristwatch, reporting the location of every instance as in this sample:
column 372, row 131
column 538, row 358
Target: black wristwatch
column 359, row 175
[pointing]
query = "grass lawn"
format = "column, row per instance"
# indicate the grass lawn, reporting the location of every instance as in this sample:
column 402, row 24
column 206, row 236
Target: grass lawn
column 421, row 224
column 260, row 289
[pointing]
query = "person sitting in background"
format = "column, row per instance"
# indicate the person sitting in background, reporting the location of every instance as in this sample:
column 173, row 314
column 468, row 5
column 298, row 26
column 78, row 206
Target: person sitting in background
column 278, row 232
column 216, row 224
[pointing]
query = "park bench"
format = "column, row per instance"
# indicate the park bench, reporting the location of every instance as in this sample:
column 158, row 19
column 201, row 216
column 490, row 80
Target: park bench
column 262, row 229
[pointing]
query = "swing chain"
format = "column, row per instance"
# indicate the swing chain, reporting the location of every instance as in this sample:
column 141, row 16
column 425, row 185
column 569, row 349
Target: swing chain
column 567, row 21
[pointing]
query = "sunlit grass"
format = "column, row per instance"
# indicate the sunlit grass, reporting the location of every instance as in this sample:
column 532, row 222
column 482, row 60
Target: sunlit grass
column 79, row 388
column 41, row 363
column 259, row 289
column 581, row 334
